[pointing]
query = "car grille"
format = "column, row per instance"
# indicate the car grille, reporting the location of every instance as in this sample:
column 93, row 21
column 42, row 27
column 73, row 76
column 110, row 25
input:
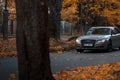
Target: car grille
column 87, row 43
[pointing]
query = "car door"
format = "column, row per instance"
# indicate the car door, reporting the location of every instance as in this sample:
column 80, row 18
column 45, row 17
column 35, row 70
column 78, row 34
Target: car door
column 115, row 37
column 118, row 37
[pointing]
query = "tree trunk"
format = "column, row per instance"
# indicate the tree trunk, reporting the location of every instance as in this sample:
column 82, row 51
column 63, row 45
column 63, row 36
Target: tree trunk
column 33, row 40
column 55, row 8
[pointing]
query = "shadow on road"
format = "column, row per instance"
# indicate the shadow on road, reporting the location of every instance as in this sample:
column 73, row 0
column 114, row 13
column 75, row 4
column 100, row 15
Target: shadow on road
column 99, row 51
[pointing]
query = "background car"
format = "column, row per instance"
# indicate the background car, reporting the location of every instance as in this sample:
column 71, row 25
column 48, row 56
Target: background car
column 99, row 38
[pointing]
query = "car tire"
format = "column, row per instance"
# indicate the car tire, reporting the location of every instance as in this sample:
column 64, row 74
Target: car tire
column 109, row 46
column 79, row 50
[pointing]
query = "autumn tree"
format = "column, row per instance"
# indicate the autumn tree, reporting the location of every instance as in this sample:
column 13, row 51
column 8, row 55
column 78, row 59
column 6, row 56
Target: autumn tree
column 94, row 12
column 69, row 11
column 33, row 40
column 11, row 9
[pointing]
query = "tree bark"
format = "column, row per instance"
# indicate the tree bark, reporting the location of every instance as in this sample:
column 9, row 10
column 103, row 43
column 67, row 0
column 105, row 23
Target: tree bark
column 55, row 8
column 33, row 40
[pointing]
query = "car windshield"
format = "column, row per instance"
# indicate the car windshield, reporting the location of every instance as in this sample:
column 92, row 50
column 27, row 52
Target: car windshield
column 99, row 31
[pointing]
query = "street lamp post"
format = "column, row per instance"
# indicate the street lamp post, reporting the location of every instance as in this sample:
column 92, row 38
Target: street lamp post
column 5, row 22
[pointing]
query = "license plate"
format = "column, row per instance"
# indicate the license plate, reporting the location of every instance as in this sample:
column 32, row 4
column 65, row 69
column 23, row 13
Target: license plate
column 88, row 44
column 77, row 47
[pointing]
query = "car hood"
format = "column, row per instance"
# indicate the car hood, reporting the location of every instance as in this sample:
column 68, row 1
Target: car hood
column 94, row 37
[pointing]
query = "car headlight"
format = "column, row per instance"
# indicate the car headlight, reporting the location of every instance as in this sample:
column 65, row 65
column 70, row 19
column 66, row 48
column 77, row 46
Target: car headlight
column 78, row 41
column 100, row 41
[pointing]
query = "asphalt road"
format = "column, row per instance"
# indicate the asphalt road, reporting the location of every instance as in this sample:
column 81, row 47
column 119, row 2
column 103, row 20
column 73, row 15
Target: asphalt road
column 67, row 60
column 73, row 59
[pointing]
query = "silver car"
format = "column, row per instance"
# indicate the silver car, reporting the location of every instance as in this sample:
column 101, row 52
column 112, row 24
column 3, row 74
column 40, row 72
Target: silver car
column 99, row 38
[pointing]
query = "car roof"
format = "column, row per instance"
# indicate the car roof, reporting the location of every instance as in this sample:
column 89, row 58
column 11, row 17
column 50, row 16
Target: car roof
column 112, row 27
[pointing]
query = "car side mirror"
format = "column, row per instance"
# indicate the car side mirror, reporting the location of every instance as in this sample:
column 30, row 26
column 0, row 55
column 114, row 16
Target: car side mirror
column 112, row 33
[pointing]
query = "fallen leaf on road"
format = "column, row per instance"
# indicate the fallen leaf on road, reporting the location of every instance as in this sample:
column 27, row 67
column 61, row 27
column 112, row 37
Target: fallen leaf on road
column 99, row 72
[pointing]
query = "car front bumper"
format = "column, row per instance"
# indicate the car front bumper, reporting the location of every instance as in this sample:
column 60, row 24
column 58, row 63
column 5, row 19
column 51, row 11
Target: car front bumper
column 101, row 46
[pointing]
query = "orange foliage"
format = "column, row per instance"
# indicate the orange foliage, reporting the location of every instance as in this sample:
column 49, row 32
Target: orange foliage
column 100, row 72
column 108, row 10
column 12, row 9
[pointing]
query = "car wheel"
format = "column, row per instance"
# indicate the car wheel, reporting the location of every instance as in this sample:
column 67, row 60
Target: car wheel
column 109, row 46
column 79, row 50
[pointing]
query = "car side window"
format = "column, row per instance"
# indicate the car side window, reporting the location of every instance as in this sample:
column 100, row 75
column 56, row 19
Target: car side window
column 115, row 31
column 118, row 31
